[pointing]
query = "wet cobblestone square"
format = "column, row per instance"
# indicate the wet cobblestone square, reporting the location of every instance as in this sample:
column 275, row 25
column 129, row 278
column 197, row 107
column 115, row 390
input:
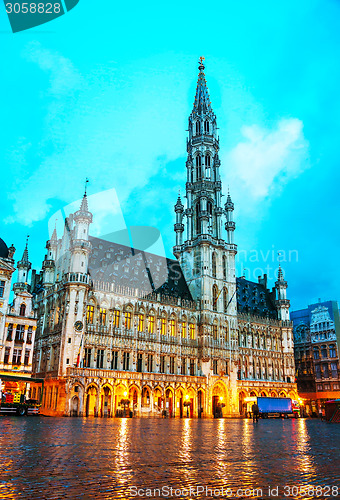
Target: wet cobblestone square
column 61, row 458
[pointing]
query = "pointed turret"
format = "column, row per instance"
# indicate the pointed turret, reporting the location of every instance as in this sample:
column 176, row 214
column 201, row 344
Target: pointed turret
column 282, row 303
column 179, row 226
column 81, row 246
column 230, row 224
column 24, row 265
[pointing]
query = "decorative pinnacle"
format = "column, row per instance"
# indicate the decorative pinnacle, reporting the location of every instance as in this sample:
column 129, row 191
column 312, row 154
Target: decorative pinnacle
column 24, row 260
column 201, row 66
column 86, row 181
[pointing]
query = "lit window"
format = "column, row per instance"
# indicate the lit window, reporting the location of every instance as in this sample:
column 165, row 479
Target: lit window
column 192, row 331
column 184, row 329
column 151, row 323
column 102, row 316
column 128, row 320
column 163, row 326
column 141, row 322
column 172, row 327
column 90, row 314
column 116, row 318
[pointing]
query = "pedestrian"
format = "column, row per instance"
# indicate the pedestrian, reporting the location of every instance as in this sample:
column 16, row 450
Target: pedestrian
column 255, row 410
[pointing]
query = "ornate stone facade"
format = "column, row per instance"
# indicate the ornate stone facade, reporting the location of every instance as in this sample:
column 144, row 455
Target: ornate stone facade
column 121, row 330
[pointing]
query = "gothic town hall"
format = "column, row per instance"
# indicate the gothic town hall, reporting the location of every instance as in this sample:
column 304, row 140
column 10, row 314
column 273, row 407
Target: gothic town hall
column 122, row 331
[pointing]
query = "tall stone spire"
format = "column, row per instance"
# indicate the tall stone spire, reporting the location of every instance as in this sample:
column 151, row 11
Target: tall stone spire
column 207, row 259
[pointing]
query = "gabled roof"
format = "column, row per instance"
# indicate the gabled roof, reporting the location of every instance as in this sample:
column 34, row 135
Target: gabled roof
column 255, row 299
column 136, row 269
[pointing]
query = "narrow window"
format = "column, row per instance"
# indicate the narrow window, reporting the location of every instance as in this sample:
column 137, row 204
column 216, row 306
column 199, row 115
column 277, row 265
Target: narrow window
column 141, row 318
column 114, row 360
column 214, row 297
column 214, row 265
column 163, row 326
column 127, row 320
column 172, row 327
column 102, row 316
column 2, row 288
column 151, row 323
column 22, row 309
column 116, row 318
column 90, row 314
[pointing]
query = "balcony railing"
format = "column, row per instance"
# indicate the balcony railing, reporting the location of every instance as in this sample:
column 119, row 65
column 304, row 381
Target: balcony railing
column 129, row 375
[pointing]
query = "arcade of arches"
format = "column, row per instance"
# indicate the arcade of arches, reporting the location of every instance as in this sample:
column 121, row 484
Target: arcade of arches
column 81, row 396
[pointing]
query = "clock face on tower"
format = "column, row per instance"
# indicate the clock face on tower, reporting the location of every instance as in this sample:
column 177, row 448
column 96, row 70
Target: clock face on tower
column 78, row 325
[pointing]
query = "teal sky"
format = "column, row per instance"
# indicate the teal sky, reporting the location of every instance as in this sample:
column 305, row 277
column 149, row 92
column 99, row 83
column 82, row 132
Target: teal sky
column 105, row 93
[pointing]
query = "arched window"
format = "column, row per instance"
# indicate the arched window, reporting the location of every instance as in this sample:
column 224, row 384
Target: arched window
column 323, row 351
column 332, row 351
column 116, row 318
column 214, row 297
column 192, row 331
column 90, row 314
column 198, row 222
column 206, row 126
column 225, row 299
column 151, row 323
column 172, row 327
column 207, row 160
column 141, row 321
column 224, row 267
column 22, row 309
column 127, row 322
column 215, row 331
column 226, row 331
column 198, row 128
column 214, row 265
column 184, row 328
column 102, row 316
column 163, row 325
column 198, row 167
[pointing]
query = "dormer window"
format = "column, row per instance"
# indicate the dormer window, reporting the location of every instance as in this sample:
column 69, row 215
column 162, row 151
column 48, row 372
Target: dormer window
column 22, row 309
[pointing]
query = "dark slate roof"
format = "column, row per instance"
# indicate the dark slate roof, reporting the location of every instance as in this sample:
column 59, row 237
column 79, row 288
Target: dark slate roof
column 3, row 249
column 255, row 298
column 125, row 266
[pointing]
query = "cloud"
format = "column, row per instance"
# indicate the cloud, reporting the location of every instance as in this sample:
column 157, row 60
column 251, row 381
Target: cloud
column 64, row 77
column 265, row 160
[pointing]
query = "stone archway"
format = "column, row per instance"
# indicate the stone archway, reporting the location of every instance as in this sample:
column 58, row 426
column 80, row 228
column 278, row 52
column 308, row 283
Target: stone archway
column 200, row 403
column 241, row 404
column 75, row 403
column 91, row 401
column 219, row 400
column 169, row 402
column 105, row 401
column 179, row 410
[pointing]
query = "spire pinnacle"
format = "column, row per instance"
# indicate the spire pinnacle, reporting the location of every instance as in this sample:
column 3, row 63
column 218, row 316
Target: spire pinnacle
column 24, row 262
column 202, row 100
column 84, row 207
